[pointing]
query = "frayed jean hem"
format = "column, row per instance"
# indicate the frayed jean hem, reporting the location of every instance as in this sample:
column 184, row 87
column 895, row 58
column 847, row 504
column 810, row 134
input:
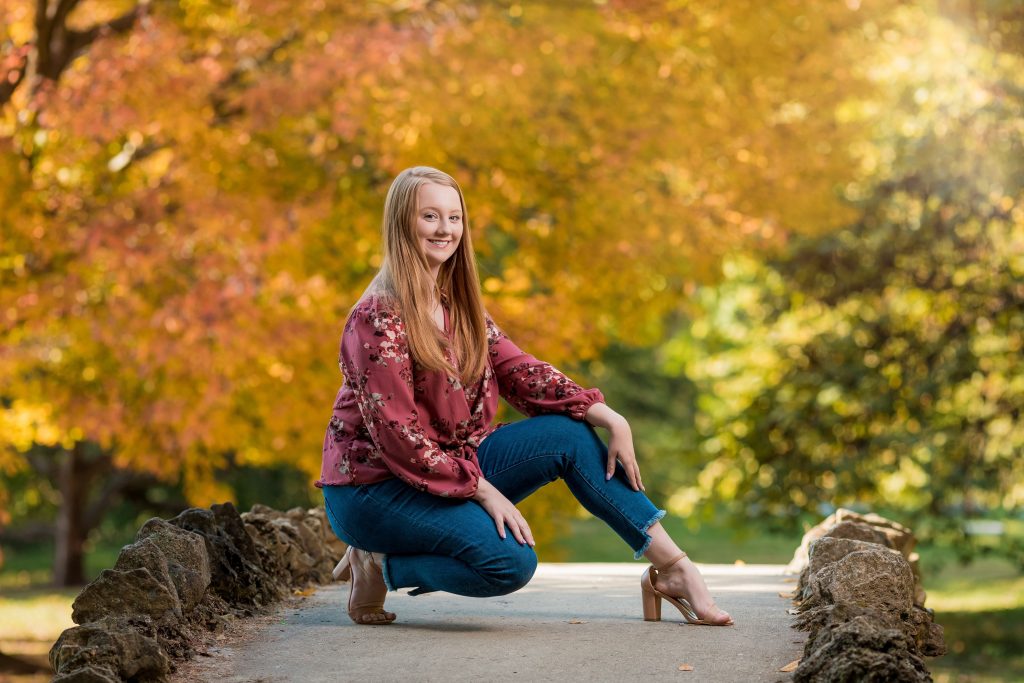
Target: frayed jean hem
column 656, row 518
column 387, row 574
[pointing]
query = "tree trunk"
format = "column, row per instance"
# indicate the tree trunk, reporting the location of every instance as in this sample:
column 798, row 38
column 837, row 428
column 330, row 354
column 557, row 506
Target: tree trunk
column 73, row 476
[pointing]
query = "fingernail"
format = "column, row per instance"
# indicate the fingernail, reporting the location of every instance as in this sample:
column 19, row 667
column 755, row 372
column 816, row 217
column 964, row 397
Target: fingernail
column 607, row 477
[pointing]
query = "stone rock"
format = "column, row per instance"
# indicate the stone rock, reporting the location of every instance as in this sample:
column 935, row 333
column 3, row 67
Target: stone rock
column 278, row 543
column 88, row 674
column 132, row 592
column 872, row 579
column 858, row 531
column 145, row 554
column 919, row 625
column 825, row 551
column 294, row 543
column 236, row 570
column 859, row 649
column 187, row 561
column 899, row 536
column 929, row 636
column 110, row 649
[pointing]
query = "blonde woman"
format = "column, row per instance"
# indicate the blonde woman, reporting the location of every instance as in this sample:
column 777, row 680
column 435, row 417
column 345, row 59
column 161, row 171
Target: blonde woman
column 418, row 481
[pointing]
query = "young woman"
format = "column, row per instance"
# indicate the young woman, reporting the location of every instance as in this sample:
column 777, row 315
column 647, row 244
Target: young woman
column 416, row 479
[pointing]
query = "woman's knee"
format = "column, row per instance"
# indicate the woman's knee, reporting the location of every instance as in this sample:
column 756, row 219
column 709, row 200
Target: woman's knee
column 511, row 570
column 578, row 438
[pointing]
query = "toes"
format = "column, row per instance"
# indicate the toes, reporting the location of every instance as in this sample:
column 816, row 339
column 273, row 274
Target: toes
column 378, row 617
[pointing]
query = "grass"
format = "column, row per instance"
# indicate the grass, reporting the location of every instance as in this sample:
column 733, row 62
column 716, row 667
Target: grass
column 981, row 608
column 590, row 540
column 33, row 613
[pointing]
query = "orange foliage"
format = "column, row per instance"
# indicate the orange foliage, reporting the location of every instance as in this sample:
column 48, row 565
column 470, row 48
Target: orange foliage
column 189, row 211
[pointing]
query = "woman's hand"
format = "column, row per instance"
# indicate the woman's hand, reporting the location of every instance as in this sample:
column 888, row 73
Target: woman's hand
column 503, row 512
column 620, row 443
column 620, row 447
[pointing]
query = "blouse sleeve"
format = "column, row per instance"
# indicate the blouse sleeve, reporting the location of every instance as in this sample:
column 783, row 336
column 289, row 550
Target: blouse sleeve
column 534, row 387
column 377, row 366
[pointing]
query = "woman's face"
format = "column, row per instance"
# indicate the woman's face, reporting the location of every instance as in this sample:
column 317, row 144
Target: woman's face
column 438, row 223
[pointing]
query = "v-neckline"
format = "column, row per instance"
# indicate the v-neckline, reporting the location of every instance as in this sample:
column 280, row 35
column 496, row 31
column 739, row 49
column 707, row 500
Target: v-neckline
column 446, row 320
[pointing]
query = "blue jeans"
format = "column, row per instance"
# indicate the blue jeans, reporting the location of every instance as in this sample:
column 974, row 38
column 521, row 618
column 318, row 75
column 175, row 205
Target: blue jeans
column 445, row 544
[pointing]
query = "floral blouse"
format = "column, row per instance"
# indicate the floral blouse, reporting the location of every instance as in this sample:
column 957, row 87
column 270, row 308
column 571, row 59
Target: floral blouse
column 393, row 418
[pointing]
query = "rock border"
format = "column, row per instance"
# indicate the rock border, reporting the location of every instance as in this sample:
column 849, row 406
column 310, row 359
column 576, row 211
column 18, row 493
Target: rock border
column 183, row 581
column 860, row 597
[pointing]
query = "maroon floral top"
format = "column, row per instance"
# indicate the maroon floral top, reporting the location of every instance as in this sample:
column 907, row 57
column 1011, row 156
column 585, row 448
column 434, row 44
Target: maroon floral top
column 392, row 418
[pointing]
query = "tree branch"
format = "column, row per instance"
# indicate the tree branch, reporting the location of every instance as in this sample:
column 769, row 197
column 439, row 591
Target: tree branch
column 56, row 45
column 79, row 40
column 15, row 73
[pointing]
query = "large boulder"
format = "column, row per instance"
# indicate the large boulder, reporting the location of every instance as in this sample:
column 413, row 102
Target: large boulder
column 860, row 649
column 187, row 561
column 857, row 531
column 875, row 579
column 293, row 542
column 236, row 572
column 824, row 552
column 897, row 535
column 131, row 592
column 111, row 649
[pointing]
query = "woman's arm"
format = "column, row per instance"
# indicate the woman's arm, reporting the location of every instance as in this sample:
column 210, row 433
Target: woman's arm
column 620, row 443
column 534, row 387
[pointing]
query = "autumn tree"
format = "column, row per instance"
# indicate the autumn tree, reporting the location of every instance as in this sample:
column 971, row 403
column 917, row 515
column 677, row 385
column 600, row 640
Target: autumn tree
column 880, row 364
column 193, row 195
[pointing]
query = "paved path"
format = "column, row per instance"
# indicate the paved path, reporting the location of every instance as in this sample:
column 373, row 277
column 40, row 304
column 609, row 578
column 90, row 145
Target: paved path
column 526, row 636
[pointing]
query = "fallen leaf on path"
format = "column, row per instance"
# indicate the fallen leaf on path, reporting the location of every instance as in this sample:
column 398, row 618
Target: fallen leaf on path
column 685, row 667
column 576, row 621
column 304, row 593
column 739, row 563
column 788, row 596
column 789, row 579
column 791, row 666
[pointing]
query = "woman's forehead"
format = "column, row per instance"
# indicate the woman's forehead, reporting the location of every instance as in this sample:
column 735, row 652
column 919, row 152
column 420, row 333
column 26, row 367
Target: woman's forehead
column 438, row 197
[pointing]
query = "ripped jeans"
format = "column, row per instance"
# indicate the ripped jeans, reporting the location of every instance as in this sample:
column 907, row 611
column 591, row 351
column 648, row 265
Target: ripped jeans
column 446, row 544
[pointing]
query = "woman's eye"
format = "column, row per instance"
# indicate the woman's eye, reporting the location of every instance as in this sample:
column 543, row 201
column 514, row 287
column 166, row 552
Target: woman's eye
column 456, row 219
column 430, row 216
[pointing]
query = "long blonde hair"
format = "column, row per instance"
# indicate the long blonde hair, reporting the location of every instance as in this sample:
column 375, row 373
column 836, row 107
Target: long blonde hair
column 404, row 278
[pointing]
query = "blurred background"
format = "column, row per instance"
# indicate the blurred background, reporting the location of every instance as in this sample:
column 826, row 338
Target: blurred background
column 786, row 240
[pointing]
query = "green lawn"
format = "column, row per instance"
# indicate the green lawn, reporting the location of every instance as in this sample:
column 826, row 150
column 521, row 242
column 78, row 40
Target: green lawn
column 590, row 540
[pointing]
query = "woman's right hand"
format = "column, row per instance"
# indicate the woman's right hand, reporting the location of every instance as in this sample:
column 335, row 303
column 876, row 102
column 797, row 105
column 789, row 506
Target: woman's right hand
column 503, row 512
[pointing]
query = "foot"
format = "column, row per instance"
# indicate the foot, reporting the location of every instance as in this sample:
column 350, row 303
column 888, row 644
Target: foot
column 368, row 590
column 683, row 580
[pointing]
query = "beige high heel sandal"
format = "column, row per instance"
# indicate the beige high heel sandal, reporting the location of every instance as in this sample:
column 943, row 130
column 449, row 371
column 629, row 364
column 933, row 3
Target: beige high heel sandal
column 652, row 598
column 367, row 562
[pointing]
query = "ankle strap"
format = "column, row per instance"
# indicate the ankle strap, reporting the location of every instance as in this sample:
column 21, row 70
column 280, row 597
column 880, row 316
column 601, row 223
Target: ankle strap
column 671, row 562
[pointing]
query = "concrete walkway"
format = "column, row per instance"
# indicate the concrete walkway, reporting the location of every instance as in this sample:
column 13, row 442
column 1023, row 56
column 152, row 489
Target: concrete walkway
column 572, row 622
